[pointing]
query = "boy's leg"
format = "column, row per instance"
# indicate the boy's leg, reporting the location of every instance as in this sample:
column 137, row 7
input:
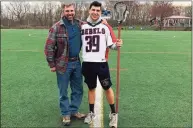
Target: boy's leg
column 110, row 98
column 88, row 71
column 91, row 99
column 104, row 78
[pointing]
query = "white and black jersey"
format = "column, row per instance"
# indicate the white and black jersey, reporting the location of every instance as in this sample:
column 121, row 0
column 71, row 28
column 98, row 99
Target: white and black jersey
column 95, row 40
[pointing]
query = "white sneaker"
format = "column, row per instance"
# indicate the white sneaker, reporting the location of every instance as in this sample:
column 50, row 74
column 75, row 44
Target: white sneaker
column 113, row 120
column 89, row 118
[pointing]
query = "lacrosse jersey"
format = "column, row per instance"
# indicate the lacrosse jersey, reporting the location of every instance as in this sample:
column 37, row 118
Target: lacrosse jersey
column 95, row 41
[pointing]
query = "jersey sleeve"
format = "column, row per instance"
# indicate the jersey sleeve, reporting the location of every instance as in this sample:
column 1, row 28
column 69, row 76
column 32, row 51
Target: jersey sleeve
column 114, row 39
column 109, row 38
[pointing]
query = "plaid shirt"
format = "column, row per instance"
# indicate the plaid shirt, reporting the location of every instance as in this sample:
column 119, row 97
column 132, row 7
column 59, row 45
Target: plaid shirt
column 57, row 47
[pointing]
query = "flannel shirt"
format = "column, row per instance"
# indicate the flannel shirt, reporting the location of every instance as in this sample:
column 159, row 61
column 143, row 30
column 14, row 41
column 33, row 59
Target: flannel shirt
column 57, row 46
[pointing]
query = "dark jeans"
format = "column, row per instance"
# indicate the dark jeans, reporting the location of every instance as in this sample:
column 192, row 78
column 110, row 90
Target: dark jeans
column 73, row 76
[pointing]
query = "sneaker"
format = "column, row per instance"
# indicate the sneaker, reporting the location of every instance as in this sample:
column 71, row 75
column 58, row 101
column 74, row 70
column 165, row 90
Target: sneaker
column 113, row 120
column 66, row 121
column 78, row 115
column 89, row 118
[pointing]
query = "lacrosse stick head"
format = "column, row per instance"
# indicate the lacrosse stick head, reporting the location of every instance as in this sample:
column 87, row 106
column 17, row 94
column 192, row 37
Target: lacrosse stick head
column 120, row 10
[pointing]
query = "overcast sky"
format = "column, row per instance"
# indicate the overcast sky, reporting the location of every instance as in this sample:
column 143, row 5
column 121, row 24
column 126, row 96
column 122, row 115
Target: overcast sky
column 183, row 3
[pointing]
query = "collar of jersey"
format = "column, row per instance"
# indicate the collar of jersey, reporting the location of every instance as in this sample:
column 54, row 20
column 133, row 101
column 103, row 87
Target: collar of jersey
column 93, row 25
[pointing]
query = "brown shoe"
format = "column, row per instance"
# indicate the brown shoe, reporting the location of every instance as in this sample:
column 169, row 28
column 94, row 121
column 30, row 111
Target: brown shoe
column 79, row 115
column 66, row 120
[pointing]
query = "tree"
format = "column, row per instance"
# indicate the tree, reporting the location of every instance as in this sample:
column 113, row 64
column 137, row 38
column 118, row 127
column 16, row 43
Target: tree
column 51, row 7
column 41, row 14
column 188, row 11
column 161, row 9
column 58, row 12
column 132, row 9
column 141, row 13
column 145, row 15
column 18, row 10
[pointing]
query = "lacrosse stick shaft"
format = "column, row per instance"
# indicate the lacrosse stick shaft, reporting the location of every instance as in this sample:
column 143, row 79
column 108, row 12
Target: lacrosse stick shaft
column 118, row 71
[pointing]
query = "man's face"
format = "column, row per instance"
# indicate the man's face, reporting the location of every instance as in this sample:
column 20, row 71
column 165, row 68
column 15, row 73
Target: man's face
column 69, row 12
column 95, row 13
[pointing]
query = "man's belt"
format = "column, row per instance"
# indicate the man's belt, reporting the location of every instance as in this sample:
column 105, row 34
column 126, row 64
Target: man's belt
column 73, row 58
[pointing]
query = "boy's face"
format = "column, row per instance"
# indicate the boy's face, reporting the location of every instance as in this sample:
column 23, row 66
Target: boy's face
column 95, row 13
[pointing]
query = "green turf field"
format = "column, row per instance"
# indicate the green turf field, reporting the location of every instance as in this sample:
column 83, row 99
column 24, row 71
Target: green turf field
column 156, row 88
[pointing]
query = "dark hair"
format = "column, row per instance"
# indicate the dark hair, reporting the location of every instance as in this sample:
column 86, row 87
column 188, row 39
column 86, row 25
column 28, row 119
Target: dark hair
column 96, row 4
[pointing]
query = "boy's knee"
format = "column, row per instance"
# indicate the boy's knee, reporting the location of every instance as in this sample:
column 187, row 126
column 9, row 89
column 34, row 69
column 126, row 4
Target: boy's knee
column 106, row 84
column 106, row 88
column 92, row 89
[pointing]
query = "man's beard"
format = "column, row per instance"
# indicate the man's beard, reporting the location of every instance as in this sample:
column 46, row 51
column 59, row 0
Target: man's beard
column 70, row 16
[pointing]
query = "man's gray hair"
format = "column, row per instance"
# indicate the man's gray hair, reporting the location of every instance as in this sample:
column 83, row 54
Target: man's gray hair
column 67, row 5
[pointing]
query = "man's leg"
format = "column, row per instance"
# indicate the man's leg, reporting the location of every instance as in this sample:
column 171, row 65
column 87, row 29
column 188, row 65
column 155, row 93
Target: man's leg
column 62, row 81
column 77, row 90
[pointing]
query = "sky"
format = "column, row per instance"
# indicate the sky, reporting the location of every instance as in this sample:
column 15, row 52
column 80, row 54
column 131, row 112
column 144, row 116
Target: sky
column 183, row 3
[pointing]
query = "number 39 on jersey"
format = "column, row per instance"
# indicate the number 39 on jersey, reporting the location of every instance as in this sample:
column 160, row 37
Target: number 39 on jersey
column 95, row 40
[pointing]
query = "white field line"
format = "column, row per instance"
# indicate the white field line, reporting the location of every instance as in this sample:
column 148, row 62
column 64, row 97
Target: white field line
column 37, row 35
column 98, row 107
column 144, row 52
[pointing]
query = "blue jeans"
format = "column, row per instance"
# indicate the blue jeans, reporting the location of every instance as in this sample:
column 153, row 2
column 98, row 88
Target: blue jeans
column 73, row 75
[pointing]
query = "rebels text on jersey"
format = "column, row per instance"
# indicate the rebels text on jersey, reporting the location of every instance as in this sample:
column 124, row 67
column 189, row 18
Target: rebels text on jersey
column 95, row 40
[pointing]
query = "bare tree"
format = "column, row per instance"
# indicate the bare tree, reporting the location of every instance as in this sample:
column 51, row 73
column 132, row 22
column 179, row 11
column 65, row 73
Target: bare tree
column 51, row 8
column 161, row 9
column 18, row 10
column 40, row 15
column 46, row 13
column 144, row 15
column 188, row 11
column 34, row 20
column 58, row 13
column 177, row 10
column 7, row 18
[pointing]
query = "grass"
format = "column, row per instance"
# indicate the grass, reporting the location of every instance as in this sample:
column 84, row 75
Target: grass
column 155, row 88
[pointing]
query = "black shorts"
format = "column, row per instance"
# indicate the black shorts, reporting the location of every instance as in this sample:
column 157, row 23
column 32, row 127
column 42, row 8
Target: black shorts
column 91, row 70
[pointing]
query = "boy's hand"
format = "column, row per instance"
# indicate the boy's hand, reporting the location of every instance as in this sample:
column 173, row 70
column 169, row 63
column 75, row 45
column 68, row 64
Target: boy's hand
column 119, row 42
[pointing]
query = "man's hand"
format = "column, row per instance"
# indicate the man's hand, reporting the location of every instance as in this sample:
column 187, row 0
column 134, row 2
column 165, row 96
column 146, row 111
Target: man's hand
column 53, row 69
column 119, row 42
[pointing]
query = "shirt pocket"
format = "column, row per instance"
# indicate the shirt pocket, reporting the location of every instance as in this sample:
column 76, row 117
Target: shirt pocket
column 61, row 38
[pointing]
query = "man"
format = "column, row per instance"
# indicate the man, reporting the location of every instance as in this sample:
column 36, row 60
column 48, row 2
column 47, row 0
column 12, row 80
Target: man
column 62, row 50
column 96, row 38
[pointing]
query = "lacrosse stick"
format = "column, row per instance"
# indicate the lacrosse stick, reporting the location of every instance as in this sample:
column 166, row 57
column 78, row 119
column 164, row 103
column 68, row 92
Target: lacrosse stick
column 120, row 11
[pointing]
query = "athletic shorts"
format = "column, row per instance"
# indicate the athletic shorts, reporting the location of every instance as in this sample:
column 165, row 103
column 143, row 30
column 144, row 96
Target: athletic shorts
column 91, row 70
